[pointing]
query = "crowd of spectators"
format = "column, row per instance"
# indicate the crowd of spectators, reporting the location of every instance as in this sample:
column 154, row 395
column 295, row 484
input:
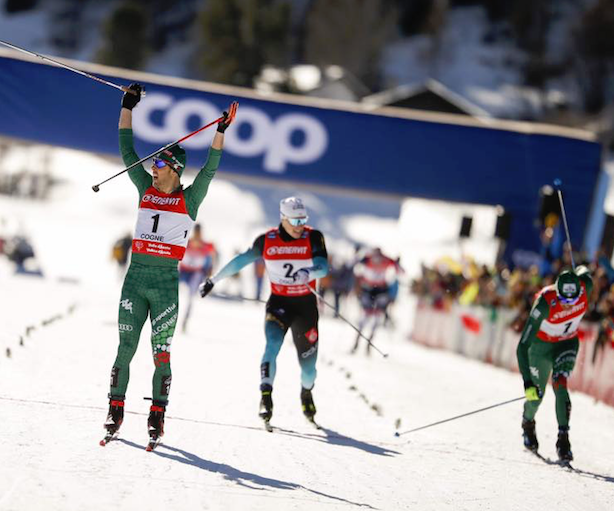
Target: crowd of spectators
column 451, row 282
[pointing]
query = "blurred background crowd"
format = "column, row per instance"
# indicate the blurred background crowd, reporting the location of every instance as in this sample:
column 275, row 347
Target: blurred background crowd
column 466, row 283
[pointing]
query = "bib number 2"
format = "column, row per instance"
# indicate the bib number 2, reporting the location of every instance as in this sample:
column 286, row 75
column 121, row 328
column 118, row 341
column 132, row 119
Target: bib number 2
column 290, row 271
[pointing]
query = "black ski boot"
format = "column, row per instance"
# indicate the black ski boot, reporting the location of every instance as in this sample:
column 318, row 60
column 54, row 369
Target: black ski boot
column 528, row 435
column 563, row 447
column 266, row 402
column 309, row 409
column 155, row 422
column 115, row 416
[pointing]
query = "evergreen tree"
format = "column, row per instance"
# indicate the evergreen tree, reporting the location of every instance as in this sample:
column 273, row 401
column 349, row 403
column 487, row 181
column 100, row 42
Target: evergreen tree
column 239, row 36
column 351, row 34
column 595, row 55
column 125, row 37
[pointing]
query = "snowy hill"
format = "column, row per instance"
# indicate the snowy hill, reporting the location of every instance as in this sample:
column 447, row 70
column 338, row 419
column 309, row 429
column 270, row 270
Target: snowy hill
column 217, row 456
column 61, row 335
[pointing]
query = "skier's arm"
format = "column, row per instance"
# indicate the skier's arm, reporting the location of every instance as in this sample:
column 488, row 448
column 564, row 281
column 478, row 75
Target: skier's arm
column 539, row 311
column 138, row 175
column 240, row 261
column 584, row 275
column 196, row 193
column 319, row 255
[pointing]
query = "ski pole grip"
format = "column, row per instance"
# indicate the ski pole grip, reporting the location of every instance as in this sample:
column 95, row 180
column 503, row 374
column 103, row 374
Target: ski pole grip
column 127, row 89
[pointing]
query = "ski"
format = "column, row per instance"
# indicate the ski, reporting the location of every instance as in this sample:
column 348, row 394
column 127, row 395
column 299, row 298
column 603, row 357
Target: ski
column 560, row 463
column 313, row 422
column 153, row 443
column 108, row 438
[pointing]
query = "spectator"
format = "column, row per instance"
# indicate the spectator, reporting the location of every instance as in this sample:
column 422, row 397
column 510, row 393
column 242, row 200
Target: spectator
column 342, row 281
column 120, row 252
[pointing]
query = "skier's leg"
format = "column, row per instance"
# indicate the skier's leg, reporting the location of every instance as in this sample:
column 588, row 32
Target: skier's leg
column 540, row 362
column 377, row 319
column 133, row 309
column 163, row 294
column 193, row 282
column 274, row 332
column 277, row 319
column 564, row 362
column 305, row 336
column 364, row 318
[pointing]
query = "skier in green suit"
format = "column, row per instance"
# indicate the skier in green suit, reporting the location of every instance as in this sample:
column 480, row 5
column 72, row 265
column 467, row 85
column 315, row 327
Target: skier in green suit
column 166, row 215
column 549, row 344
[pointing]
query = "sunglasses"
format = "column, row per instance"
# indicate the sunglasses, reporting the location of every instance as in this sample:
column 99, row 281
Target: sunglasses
column 159, row 163
column 568, row 301
column 297, row 221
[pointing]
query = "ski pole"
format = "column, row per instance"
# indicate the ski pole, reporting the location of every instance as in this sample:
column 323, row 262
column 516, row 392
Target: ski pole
column 70, row 68
column 236, row 298
column 459, row 416
column 321, row 298
column 97, row 187
column 557, row 185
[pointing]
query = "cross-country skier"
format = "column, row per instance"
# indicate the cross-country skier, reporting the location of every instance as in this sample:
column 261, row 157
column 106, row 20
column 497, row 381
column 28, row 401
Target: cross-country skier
column 549, row 343
column 196, row 265
column 295, row 256
column 166, row 215
column 376, row 276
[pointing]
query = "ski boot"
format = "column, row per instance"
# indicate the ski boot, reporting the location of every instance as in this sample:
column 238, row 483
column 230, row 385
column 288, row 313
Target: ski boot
column 309, row 409
column 563, row 447
column 266, row 402
column 529, row 436
column 155, row 424
column 115, row 417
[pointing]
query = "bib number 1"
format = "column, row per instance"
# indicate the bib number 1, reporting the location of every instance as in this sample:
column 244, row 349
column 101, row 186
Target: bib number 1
column 156, row 219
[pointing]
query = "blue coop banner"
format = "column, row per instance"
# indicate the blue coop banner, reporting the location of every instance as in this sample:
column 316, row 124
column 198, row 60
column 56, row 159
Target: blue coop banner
column 305, row 142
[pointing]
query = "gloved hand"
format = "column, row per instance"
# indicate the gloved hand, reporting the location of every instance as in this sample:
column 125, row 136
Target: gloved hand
column 531, row 392
column 130, row 100
column 205, row 287
column 228, row 117
column 301, row 276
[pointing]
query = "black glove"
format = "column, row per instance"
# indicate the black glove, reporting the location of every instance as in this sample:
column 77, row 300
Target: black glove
column 205, row 287
column 228, row 117
column 130, row 100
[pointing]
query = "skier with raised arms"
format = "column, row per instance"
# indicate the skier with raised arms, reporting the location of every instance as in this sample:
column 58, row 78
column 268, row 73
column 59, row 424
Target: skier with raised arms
column 166, row 215
column 295, row 256
column 549, row 343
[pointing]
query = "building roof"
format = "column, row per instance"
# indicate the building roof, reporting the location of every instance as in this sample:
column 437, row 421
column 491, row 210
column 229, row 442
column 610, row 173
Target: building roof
column 429, row 95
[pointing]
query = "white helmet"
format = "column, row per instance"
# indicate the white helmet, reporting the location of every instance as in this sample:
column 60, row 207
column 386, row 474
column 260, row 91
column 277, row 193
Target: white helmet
column 293, row 208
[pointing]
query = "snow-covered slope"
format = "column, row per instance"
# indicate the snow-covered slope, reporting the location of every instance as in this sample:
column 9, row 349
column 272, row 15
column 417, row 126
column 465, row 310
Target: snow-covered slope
column 62, row 339
column 217, row 456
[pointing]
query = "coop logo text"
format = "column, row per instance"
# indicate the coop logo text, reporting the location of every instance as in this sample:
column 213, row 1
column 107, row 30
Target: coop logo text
column 160, row 119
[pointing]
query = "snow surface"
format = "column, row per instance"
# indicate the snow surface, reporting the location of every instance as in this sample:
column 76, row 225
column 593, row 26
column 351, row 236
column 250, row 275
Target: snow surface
column 216, row 454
